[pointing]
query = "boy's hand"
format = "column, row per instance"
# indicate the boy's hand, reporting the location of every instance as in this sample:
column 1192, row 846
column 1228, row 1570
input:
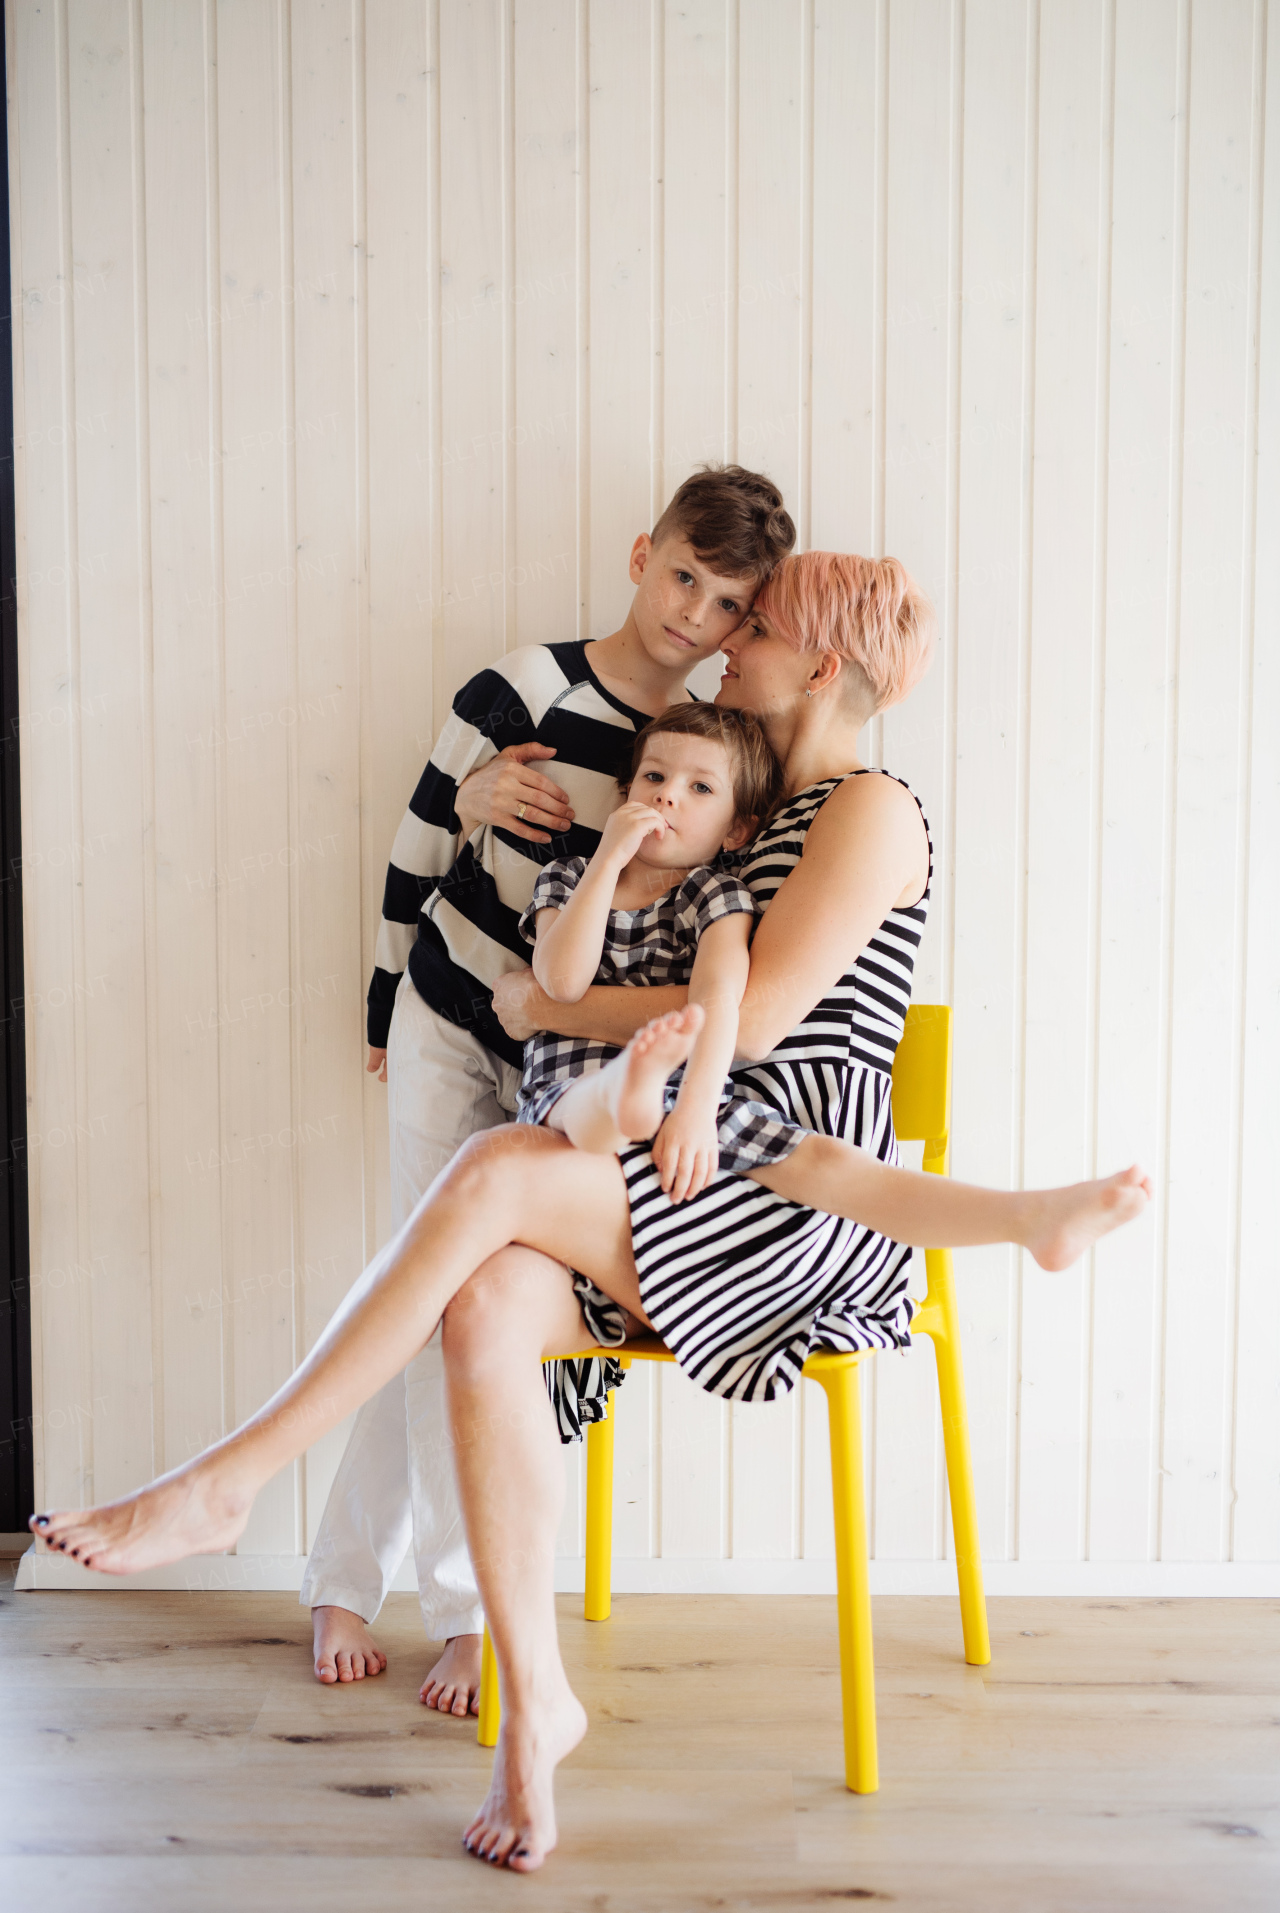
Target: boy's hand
column 687, row 1152
column 496, row 793
column 377, row 1063
column 626, row 829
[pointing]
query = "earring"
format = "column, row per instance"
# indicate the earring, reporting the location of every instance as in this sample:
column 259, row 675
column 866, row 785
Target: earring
column 808, row 693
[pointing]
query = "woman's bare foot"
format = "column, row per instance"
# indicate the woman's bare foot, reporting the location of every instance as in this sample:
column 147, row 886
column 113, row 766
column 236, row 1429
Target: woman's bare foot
column 516, row 1826
column 1066, row 1222
column 453, row 1685
column 344, row 1648
column 637, row 1078
column 199, row 1509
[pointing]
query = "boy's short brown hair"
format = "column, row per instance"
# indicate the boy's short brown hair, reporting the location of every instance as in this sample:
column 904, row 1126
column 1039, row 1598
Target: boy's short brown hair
column 734, row 519
column 757, row 774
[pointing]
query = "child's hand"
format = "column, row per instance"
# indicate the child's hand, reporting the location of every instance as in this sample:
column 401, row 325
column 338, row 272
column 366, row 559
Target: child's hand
column 626, row 829
column 687, row 1152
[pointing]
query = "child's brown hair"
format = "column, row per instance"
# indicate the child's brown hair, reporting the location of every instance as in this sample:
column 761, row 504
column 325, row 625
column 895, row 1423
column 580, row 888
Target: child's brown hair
column 757, row 774
column 734, row 519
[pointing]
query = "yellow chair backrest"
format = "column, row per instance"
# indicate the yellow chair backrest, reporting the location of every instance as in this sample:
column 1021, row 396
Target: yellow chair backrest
column 922, row 1080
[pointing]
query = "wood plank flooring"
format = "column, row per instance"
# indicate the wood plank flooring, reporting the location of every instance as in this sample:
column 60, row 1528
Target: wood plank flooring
column 172, row 1751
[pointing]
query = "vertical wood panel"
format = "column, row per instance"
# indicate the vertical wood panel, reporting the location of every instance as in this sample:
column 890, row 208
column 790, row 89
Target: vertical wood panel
column 1256, row 1535
column 1062, row 743
column 357, row 343
column 911, row 513
column 404, row 467
column 699, row 309
column 331, row 480
column 254, row 877
column 542, row 435
column 635, row 1439
column 623, row 355
column 996, row 351
column 1137, row 687
column 114, row 1027
column 845, row 133
column 1207, row 874
column 474, row 290
column 56, row 572
column 182, row 331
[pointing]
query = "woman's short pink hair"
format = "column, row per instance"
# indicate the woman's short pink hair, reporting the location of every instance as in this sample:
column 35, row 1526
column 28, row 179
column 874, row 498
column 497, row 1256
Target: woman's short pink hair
column 869, row 611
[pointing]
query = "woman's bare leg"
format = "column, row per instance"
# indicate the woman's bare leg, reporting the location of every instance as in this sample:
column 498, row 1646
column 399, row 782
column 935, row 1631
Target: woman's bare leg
column 516, row 1184
column 933, row 1212
column 510, row 1471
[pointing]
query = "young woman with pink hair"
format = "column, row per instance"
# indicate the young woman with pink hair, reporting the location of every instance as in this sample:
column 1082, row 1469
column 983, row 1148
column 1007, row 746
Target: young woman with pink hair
column 527, row 1246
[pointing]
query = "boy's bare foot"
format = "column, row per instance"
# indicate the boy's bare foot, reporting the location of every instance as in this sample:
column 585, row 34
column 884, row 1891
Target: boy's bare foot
column 198, row 1509
column 1066, row 1222
column 638, row 1077
column 516, row 1826
column 344, row 1648
column 453, row 1685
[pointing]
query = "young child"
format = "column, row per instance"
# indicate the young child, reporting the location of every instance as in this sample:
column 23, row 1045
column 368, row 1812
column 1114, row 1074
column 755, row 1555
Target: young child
column 651, row 907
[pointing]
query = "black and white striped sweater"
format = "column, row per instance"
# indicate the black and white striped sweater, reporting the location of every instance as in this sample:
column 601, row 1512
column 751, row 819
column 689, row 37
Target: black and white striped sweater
column 451, row 910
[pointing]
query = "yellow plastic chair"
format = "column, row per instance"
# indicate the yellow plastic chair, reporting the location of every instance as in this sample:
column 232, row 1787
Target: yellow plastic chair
column 921, row 1113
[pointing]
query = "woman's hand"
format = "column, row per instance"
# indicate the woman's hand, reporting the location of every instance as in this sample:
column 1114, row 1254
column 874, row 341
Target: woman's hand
column 687, row 1152
column 608, row 1013
column 495, row 793
column 522, row 1006
column 377, row 1063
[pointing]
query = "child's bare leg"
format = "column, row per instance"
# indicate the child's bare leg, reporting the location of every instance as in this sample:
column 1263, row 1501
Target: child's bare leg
column 504, row 1185
column 622, row 1103
column 933, row 1212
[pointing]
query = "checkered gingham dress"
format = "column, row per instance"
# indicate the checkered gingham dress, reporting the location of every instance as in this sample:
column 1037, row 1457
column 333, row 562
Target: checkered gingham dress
column 741, row 1284
column 647, row 947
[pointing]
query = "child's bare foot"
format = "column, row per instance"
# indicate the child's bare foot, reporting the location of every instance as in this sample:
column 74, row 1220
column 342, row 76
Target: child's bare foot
column 344, row 1648
column 453, row 1685
column 199, row 1509
column 639, row 1076
column 516, row 1826
column 1066, row 1222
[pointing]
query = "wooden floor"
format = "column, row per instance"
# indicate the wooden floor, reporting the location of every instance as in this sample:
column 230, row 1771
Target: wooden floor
column 172, row 1751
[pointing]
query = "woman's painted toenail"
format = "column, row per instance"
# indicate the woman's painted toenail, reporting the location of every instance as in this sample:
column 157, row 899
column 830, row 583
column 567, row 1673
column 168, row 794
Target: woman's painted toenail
column 42, row 1521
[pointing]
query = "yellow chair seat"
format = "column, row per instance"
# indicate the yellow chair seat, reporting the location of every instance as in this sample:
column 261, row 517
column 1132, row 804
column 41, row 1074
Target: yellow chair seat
column 921, row 1113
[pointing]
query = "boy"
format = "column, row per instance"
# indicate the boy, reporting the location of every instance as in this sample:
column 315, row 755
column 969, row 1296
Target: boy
column 462, row 871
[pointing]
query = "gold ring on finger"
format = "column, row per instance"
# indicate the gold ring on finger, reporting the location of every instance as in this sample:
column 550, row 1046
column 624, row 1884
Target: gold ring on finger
column 520, row 811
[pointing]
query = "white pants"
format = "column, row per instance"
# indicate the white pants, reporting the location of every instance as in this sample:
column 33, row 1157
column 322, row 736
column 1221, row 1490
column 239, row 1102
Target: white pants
column 396, row 1481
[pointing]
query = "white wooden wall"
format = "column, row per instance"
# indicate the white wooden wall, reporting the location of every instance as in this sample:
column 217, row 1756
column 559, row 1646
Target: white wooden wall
column 356, row 340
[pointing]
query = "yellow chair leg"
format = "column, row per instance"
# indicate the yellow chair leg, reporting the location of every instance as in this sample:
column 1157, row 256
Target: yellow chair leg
column 857, row 1657
column 599, row 1517
column 490, row 1700
column 955, row 1436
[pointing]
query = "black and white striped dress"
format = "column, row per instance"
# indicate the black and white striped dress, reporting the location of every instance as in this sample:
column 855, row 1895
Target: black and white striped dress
column 741, row 1284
